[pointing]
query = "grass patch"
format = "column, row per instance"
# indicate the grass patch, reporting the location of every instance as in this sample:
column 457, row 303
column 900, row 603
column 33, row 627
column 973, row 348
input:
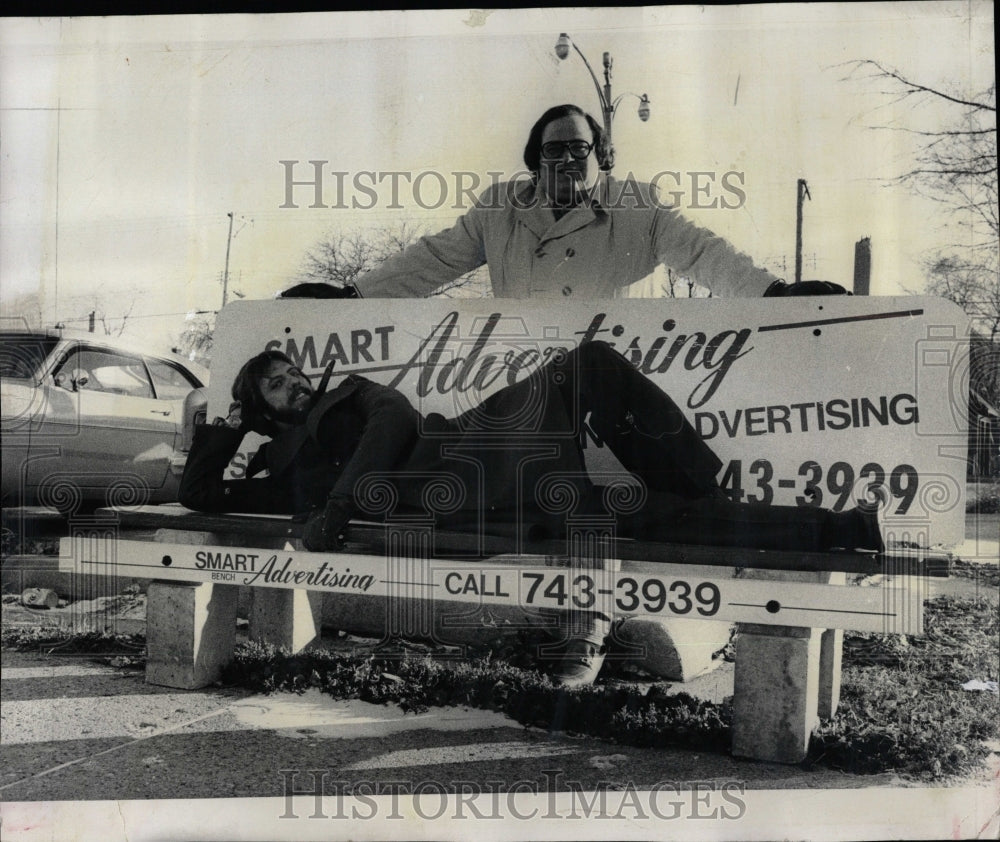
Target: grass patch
column 902, row 705
column 627, row 713
column 52, row 639
column 985, row 500
column 987, row 575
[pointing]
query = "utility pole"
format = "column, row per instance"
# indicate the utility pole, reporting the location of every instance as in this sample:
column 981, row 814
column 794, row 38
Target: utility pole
column 225, row 276
column 802, row 193
column 55, row 270
column 862, row 266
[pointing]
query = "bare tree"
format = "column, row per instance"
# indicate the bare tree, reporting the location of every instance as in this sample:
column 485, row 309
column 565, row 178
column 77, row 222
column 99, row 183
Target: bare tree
column 664, row 282
column 341, row 258
column 971, row 284
column 956, row 165
column 114, row 325
column 195, row 341
column 474, row 284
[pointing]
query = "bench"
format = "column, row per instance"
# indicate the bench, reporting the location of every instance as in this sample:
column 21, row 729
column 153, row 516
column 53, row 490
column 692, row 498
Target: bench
column 791, row 609
column 407, row 577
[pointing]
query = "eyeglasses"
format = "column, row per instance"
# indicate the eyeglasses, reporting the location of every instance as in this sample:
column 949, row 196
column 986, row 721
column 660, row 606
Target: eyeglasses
column 553, row 150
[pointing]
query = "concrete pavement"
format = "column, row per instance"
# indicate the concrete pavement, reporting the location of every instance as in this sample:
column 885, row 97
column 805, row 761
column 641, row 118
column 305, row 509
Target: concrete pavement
column 78, row 735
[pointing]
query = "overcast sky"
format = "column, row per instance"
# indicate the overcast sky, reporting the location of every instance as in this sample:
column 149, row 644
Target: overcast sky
column 127, row 141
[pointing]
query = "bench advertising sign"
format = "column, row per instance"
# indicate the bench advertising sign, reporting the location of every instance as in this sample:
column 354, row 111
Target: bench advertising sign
column 806, row 401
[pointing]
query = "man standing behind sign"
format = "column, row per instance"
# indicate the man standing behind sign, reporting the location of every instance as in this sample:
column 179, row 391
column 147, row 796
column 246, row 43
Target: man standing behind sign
column 569, row 231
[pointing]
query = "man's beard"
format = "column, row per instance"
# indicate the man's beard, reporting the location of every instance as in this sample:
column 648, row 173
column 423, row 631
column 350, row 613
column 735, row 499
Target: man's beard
column 294, row 416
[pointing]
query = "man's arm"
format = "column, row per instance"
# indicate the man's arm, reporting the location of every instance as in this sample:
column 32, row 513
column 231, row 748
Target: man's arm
column 203, row 487
column 433, row 260
column 389, row 426
column 706, row 258
column 711, row 261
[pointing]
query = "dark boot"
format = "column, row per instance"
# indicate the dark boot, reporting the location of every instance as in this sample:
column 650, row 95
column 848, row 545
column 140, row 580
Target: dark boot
column 582, row 656
column 722, row 523
column 863, row 527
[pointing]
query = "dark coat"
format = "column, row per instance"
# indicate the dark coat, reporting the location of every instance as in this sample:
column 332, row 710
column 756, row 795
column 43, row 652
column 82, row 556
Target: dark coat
column 365, row 443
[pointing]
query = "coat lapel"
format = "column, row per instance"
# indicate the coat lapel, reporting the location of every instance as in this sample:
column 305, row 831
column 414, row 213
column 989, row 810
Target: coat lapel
column 533, row 214
column 282, row 450
column 540, row 220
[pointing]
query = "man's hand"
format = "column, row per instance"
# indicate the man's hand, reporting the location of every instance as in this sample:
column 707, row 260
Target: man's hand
column 234, row 420
column 319, row 290
column 324, row 528
column 779, row 289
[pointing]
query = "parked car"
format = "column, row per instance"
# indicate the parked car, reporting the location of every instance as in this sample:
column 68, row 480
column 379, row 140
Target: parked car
column 90, row 419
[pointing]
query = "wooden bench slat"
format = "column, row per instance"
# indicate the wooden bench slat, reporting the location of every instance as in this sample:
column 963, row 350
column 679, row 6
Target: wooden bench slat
column 372, row 537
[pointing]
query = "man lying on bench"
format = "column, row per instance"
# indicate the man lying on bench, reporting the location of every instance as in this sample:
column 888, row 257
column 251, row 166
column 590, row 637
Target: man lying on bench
column 507, row 463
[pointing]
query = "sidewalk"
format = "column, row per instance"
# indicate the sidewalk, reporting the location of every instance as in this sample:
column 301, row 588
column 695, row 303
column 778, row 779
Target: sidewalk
column 75, row 730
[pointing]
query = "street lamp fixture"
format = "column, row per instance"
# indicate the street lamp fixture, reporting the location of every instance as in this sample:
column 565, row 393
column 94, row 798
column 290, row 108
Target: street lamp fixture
column 609, row 103
column 644, row 108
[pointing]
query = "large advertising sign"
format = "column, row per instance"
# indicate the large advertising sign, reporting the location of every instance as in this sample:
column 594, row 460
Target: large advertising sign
column 806, row 401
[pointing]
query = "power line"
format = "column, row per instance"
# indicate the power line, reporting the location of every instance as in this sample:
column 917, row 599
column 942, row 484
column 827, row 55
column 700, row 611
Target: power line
column 146, row 316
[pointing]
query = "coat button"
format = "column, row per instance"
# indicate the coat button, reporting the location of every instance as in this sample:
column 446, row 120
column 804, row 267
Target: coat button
column 567, row 290
column 570, row 252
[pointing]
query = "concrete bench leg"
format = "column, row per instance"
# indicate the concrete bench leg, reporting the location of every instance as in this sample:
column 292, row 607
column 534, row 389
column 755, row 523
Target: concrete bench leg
column 289, row 619
column 775, row 691
column 786, row 678
column 831, row 652
column 190, row 633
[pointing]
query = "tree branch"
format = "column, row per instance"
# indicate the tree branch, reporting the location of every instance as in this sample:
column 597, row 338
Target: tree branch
column 915, row 87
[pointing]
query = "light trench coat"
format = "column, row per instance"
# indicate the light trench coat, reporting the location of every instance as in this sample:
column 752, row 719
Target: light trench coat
column 616, row 239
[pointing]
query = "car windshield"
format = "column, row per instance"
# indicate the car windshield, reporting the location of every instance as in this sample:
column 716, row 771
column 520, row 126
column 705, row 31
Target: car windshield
column 22, row 353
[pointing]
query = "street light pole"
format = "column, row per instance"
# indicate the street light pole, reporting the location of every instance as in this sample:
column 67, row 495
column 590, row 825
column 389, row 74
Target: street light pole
column 609, row 103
